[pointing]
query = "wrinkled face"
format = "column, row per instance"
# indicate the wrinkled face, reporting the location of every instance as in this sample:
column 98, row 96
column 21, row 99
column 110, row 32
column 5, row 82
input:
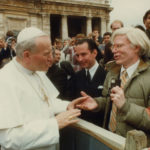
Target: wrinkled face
column 57, row 56
column 115, row 26
column 124, row 53
column 41, row 59
column 84, row 56
column 147, row 22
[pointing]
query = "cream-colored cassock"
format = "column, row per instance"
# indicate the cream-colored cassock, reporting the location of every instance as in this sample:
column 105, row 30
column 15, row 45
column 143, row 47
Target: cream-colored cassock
column 26, row 120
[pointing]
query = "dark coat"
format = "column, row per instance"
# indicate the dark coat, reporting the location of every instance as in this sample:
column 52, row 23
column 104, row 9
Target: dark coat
column 94, row 89
column 63, row 78
column 59, row 78
column 6, row 55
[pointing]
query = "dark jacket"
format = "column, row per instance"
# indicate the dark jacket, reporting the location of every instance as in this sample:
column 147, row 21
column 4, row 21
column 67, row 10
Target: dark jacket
column 59, row 78
column 62, row 77
column 6, row 55
column 94, row 89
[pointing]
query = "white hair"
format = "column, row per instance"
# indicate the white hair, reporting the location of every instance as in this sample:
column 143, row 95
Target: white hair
column 26, row 40
column 137, row 38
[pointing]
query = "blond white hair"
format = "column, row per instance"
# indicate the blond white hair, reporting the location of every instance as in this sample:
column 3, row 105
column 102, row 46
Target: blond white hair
column 136, row 37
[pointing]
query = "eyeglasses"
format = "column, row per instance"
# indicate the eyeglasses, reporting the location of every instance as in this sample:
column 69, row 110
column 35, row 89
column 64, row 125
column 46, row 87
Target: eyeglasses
column 117, row 46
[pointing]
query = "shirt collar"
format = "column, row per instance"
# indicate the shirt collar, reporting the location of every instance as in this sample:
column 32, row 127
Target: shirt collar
column 131, row 69
column 23, row 69
column 93, row 69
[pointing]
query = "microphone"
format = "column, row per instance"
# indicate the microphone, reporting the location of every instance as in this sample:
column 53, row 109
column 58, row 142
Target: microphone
column 114, row 82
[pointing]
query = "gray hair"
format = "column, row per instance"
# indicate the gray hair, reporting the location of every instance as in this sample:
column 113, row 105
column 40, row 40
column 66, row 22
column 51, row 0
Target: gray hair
column 137, row 38
column 28, row 45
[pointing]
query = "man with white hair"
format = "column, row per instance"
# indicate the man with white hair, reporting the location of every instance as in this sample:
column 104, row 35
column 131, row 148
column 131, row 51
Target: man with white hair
column 131, row 99
column 30, row 113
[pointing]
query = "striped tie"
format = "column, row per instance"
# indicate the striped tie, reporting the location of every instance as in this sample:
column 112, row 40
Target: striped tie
column 123, row 77
column 112, row 122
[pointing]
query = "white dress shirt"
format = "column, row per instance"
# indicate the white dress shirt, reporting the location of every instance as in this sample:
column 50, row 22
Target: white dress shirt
column 93, row 69
column 130, row 70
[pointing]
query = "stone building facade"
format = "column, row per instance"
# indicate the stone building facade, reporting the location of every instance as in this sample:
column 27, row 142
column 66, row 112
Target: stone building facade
column 59, row 18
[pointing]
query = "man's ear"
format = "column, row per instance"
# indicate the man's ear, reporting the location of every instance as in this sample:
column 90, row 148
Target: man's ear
column 26, row 55
column 137, row 48
column 95, row 52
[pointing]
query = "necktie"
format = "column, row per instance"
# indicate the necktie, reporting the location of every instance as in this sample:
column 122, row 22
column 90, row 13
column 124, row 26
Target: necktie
column 112, row 123
column 123, row 77
column 88, row 76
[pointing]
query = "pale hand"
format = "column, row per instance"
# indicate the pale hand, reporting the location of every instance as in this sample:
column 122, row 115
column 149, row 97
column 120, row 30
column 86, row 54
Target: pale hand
column 86, row 102
column 117, row 96
column 68, row 117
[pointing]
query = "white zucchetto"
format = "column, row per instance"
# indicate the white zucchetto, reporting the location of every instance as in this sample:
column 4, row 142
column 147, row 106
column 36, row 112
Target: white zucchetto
column 29, row 33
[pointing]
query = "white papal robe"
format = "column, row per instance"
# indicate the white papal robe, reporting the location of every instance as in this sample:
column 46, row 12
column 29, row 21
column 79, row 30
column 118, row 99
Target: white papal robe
column 26, row 120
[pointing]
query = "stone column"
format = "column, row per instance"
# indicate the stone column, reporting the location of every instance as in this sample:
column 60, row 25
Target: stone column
column 107, row 26
column 64, row 27
column 88, row 25
column 46, row 23
column 2, row 27
column 103, row 26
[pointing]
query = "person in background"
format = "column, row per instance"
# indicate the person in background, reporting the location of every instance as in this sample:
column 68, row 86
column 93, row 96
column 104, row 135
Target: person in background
column 116, row 24
column 56, row 56
column 96, row 37
column 57, row 75
column 31, row 115
column 8, row 51
column 106, row 39
column 146, row 21
column 108, row 56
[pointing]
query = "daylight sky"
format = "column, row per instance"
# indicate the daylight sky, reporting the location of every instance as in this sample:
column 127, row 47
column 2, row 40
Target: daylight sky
column 129, row 11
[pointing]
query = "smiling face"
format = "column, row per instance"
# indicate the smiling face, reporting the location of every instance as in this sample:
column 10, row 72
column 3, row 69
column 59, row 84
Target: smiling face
column 84, row 56
column 124, row 52
column 41, row 59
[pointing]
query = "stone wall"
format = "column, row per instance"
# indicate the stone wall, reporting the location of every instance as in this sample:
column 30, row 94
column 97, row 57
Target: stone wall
column 17, row 14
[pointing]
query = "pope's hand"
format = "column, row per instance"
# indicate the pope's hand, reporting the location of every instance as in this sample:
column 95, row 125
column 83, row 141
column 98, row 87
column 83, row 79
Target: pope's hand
column 68, row 117
column 86, row 102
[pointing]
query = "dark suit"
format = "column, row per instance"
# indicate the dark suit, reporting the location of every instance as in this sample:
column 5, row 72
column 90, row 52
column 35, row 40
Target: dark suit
column 6, row 55
column 62, row 77
column 59, row 78
column 93, row 88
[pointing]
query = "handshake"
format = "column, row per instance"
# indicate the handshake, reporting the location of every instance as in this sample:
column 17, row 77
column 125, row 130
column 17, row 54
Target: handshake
column 73, row 110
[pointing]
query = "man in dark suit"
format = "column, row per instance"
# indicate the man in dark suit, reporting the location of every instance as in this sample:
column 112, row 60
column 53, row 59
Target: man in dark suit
column 61, row 75
column 91, row 78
